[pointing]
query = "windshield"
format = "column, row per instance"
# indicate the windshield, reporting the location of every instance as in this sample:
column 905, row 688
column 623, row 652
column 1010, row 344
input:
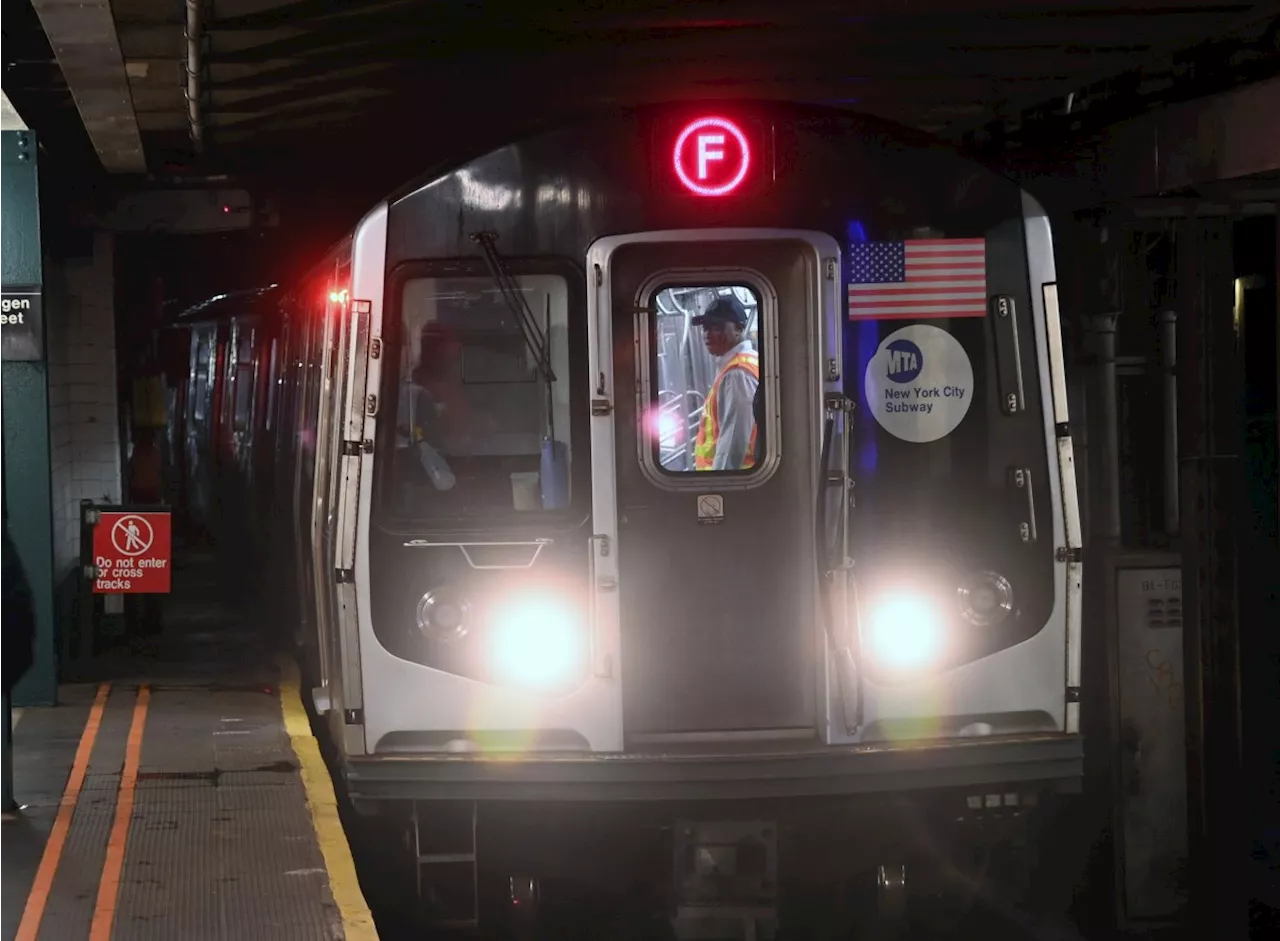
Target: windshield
column 479, row 430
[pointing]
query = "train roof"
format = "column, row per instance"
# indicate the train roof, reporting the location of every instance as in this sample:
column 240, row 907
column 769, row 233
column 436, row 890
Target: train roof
column 249, row 302
column 476, row 147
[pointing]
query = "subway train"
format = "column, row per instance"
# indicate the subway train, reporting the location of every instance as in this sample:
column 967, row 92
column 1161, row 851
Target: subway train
column 711, row 462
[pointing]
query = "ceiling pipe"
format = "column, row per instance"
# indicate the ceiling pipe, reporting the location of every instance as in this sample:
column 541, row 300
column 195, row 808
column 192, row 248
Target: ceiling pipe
column 195, row 68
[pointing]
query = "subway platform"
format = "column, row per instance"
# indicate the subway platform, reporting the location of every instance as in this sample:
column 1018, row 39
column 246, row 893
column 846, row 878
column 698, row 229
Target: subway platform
column 180, row 795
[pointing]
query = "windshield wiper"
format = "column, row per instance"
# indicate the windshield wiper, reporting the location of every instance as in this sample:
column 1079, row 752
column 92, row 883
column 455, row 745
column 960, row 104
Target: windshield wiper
column 511, row 293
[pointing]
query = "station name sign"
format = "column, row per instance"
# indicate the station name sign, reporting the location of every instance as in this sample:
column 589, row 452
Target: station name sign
column 22, row 324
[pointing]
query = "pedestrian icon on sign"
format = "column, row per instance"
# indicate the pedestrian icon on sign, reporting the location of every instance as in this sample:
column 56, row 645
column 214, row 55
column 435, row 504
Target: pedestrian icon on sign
column 132, row 535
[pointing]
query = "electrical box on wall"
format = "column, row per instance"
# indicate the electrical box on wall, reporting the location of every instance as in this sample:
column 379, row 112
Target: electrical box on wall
column 1153, row 806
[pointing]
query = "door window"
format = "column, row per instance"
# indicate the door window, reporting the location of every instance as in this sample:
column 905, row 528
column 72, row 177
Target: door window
column 708, row 393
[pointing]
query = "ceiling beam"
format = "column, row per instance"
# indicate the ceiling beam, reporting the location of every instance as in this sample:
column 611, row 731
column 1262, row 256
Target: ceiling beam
column 1223, row 137
column 1209, row 144
column 305, row 11
column 1232, row 26
column 295, row 75
column 10, row 120
column 82, row 34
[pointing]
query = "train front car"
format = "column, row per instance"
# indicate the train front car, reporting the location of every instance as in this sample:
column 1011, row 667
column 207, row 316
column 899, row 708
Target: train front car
column 709, row 455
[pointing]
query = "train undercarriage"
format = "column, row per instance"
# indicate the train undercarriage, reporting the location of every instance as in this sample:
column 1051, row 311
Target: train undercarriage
column 890, row 866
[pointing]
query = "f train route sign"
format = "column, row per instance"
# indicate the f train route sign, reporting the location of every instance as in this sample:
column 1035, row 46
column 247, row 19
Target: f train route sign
column 132, row 554
column 711, row 156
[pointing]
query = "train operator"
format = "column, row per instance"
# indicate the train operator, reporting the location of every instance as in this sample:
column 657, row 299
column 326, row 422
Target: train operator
column 727, row 436
column 432, row 411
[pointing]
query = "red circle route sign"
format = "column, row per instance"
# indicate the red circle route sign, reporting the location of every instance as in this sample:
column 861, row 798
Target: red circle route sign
column 711, row 156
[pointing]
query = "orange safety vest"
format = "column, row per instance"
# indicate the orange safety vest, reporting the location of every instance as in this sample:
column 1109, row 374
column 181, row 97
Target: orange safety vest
column 704, row 449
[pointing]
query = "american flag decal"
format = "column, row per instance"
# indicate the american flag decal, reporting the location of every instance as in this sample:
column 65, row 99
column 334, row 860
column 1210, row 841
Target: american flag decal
column 918, row 279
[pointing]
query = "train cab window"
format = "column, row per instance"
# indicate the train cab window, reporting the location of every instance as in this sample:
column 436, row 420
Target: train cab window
column 482, row 411
column 708, row 400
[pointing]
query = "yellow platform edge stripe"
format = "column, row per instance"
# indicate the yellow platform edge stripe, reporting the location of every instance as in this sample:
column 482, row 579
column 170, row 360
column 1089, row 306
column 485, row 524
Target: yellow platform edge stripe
column 357, row 921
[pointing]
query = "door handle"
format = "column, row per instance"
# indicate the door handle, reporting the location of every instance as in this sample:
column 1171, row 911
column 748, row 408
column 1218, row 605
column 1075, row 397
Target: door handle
column 847, row 685
column 1021, row 480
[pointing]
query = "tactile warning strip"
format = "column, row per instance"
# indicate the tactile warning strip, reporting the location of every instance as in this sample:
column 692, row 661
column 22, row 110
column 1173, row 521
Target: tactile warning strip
column 221, row 845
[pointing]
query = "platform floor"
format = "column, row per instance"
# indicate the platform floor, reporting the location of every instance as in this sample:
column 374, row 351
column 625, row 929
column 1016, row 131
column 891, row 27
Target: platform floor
column 182, row 798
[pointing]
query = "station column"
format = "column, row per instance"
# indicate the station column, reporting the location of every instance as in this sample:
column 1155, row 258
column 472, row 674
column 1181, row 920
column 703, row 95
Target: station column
column 1215, row 494
column 25, row 405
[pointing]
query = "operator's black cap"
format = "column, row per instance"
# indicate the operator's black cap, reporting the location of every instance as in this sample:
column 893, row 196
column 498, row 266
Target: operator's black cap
column 726, row 309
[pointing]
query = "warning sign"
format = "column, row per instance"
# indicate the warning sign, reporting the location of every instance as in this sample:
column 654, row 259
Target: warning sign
column 710, row 508
column 131, row 552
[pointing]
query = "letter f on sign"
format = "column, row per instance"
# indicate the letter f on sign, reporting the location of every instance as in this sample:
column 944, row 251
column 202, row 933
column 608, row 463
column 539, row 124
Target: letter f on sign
column 710, row 147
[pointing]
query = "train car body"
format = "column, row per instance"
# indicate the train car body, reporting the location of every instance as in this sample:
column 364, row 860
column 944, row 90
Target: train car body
column 221, row 365
column 525, row 575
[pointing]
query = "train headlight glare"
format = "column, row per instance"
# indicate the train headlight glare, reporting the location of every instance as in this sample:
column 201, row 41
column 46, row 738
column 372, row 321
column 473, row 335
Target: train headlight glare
column 443, row 615
column 536, row 641
column 986, row 599
column 904, row 631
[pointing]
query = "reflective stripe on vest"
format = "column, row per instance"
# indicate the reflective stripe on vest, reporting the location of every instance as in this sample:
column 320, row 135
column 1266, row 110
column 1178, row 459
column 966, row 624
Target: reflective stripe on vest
column 704, row 450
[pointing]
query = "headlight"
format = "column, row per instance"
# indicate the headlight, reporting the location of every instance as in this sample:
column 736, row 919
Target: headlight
column 986, row 599
column 443, row 615
column 536, row 640
column 903, row 631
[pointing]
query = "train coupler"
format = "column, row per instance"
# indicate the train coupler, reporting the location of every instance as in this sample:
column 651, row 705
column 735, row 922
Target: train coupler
column 726, row 880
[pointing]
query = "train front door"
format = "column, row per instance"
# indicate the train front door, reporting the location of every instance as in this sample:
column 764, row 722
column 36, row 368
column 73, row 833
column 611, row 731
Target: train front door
column 721, row 342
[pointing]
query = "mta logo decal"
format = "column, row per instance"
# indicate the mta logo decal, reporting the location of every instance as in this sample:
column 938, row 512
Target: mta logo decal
column 904, row 361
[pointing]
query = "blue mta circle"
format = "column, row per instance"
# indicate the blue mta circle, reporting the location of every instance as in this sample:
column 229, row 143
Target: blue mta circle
column 903, row 361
